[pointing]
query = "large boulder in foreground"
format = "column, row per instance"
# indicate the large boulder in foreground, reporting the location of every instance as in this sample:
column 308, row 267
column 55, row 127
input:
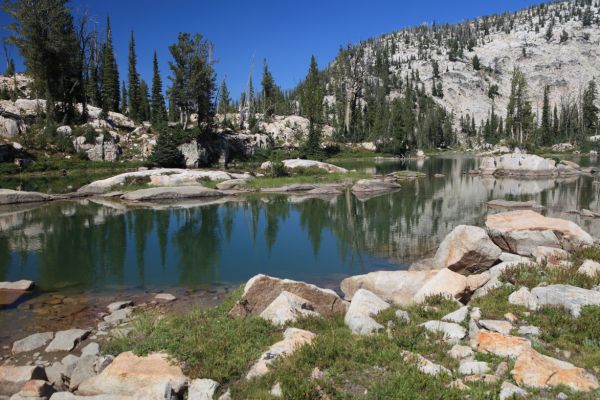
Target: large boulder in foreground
column 407, row 287
column 571, row 298
column 171, row 193
column 293, row 339
column 261, row 290
column 287, row 307
column 150, row 378
column 535, row 370
column 467, row 250
column 398, row 287
column 521, row 232
column 359, row 318
column 12, row 379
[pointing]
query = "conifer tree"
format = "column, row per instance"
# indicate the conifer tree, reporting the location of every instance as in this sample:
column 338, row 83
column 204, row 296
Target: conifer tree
column 589, row 108
column 476, row 63
column 269, row 91
column 224, row 99
column 158, row 101
column 10, row 68
column 311, row 103
column 44, row 33
column 519, row 118
column 110, row 74
column 135, row 95
column 546, row 128
column 144, row 105
column 124, row 108
column 193, row 79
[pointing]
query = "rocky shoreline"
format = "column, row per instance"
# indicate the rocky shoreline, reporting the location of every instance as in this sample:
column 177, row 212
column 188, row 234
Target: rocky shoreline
column 468, row 265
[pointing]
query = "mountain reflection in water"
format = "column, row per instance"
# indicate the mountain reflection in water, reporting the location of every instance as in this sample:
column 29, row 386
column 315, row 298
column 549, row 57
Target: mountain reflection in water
column 102, row 245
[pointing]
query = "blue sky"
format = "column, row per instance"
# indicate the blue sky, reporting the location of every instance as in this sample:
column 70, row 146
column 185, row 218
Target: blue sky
column 286, row 33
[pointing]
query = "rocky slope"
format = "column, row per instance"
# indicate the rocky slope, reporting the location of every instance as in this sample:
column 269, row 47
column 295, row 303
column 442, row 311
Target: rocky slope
column 501, row 42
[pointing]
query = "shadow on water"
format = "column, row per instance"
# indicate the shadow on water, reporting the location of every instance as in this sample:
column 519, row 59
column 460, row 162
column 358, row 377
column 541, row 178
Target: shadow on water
column 93, row 246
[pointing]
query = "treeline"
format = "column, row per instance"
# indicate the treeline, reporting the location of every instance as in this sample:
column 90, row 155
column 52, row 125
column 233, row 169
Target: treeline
column 573, row 120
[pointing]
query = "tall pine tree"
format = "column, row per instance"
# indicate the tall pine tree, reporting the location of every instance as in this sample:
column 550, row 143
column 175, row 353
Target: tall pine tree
column 135, row 95
column 311, row 103
column 546, row 128
column 224, row 99
column 158, row 109
column 110, row 74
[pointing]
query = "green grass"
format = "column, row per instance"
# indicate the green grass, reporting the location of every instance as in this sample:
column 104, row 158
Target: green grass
column 210, row 344
column 532, row 276
column 207, row 342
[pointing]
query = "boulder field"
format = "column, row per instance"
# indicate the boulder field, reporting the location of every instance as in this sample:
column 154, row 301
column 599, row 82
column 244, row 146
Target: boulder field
column 468, row 264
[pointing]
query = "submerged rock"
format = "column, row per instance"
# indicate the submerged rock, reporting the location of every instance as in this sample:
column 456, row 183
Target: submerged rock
column 467, row 250
column 515, row 205
column 522, row 231
column 171, row 193
column 374, row 185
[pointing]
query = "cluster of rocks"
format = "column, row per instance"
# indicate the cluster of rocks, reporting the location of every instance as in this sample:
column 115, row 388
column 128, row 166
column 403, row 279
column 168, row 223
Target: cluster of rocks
column 68, row 364
column 468, row 263
column 528, row 166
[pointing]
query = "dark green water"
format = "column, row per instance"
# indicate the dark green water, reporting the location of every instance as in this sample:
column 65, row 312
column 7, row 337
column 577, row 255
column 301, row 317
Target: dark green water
column 87, row 246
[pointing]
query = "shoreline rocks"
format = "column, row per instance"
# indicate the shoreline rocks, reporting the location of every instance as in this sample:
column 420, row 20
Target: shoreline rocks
column 520, row 232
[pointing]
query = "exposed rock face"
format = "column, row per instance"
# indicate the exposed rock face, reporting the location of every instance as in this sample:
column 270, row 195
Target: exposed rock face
column 550, row 255
column 495, row 273
column 467, row 250
column 12, row 379
column 23, row 284
column 364, row 306
column 67, row 340
column 287, row 307
column 518, row 165
column 445, row 282
column 233, row 184
column 590, row 268
column 452, row 332
column 158, row 177
column 202, row 389
column 503, row 327
column 515, row 205
column 457, row 316
column 261, row 290
column 374, row 185
column 398, row 287
column 423, row 364
column 509, row 391
column 297, row 163
column 499, row 344
column 171, row 193
column 8, row 196
column 35, row 389
column 104, row 148
column 536, row 370
column 522, row 231
column 32, row 342
column 292, row 340
column 150, row 377
column 570, row 297
column 11, row 127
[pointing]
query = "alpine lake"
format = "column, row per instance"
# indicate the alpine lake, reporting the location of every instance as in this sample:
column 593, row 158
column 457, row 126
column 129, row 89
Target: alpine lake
column 83, row 254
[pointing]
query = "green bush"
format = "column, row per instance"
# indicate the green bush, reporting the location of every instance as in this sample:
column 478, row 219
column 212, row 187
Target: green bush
column 165, row 153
